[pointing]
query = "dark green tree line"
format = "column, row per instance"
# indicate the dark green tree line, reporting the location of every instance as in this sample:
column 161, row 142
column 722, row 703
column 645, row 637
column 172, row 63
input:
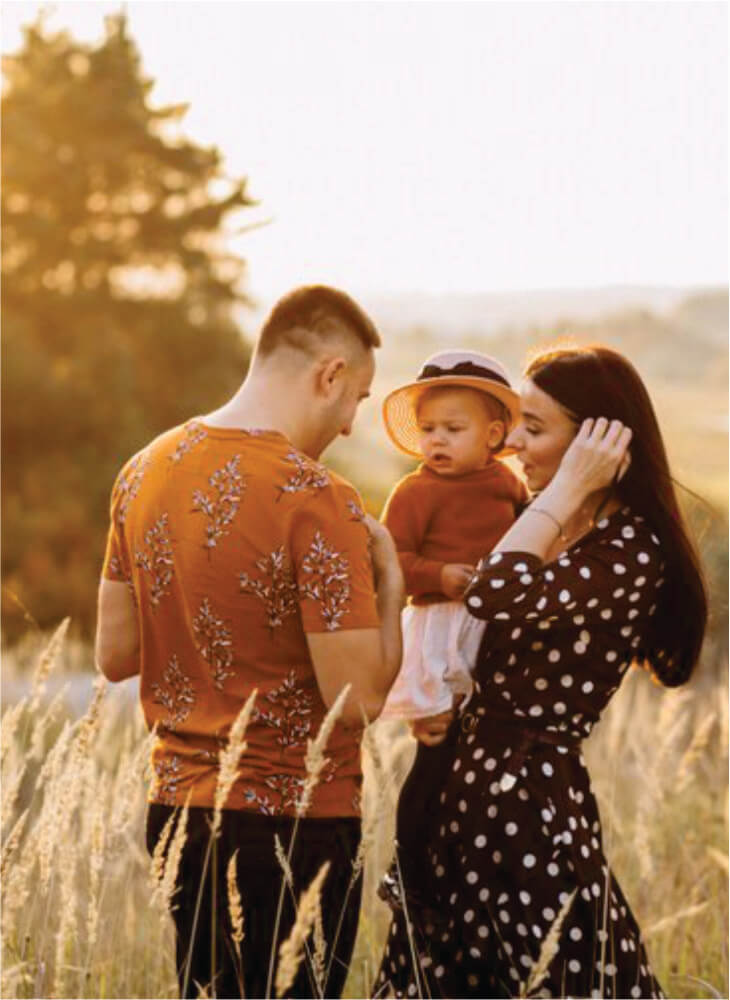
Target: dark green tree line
column 118, row 301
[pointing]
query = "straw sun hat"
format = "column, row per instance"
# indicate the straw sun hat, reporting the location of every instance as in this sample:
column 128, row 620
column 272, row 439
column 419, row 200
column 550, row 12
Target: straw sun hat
column 468, row 369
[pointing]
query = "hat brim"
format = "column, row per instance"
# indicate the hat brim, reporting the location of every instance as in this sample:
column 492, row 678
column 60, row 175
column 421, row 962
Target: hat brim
column 399, row 411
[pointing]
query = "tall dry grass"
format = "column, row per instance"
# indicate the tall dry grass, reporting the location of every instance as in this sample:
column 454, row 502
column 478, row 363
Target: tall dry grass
column 84, row 911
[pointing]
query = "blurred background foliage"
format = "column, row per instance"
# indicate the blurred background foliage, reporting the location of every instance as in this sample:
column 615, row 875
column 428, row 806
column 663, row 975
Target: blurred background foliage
column 117, row 302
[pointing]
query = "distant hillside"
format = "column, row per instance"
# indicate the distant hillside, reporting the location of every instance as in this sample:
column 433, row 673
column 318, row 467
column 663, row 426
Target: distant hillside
column 455, row 315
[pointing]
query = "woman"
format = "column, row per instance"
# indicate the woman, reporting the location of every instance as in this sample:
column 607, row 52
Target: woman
column 596, row 574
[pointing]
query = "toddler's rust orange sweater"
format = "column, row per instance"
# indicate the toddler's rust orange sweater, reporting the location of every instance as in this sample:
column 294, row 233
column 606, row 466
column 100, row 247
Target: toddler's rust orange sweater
column 437, row 519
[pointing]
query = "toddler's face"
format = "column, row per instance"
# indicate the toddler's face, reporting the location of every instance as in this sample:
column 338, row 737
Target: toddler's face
column 456, row 433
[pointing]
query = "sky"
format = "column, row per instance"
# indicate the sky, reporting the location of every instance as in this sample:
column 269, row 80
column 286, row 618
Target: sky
column 452, row 147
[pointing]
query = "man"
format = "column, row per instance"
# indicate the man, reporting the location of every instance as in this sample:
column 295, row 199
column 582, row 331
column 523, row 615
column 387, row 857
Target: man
column 236, row 561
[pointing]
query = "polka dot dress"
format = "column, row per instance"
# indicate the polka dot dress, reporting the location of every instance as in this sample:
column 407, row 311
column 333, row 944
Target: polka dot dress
column 518, row 835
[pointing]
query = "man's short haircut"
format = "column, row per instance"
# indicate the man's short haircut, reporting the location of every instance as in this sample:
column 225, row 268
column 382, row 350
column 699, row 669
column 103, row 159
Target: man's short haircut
column 312, row 315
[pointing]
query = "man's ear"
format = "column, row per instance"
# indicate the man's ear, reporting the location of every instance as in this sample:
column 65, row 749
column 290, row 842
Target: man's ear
column 328, row 374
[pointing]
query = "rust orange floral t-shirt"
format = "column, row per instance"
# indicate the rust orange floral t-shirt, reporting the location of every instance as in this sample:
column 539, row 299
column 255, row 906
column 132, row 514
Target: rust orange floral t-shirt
column 235, row 545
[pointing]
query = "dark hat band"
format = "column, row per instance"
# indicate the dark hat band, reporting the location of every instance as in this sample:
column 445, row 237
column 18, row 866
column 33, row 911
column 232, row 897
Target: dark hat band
column 465, row 368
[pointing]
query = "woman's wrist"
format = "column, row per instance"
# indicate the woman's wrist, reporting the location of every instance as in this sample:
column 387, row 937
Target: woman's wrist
column 561, row 499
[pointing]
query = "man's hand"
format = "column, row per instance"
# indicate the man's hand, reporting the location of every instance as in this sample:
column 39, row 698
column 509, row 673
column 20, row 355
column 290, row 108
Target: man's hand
column 432, row 730
column 454, row 579
column 382, row 548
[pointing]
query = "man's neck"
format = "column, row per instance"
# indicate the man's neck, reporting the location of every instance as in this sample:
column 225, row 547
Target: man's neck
column 263, row 404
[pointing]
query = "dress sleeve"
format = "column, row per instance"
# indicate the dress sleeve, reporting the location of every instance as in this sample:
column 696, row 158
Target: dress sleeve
column 406, row 518
column 591, row 582
column 332, row 566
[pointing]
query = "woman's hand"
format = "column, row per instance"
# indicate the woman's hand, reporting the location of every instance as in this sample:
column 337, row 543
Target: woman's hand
column 596, row 456
column 432, row 730
column 454, row 579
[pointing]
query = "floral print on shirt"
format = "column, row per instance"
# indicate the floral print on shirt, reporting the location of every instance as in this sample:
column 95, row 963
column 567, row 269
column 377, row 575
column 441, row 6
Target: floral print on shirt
column 220, row 510
column 157, row 561
column 327, row 581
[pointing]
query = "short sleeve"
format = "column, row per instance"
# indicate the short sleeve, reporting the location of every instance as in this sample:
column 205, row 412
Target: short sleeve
column 615, row 572
column 333, row 571
column 116, row 559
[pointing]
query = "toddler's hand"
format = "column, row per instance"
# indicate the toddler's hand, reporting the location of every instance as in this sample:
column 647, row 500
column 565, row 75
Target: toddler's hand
column 454, row 579
column 432, row 730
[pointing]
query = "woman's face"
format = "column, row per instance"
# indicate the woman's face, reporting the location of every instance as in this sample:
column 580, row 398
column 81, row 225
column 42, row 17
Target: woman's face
column 541, row 435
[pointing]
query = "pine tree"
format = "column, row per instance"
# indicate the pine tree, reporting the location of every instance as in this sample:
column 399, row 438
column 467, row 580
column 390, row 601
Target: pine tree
column 118, row 301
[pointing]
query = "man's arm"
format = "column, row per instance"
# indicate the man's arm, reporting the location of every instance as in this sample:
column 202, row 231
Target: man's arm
column 117, row 632
column 367, row 658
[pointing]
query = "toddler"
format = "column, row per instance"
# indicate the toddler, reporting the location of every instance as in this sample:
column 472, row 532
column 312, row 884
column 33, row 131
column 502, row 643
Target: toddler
column 443, row 517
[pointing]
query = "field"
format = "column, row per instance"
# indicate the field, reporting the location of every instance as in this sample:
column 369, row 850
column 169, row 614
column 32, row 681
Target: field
column 84, row 917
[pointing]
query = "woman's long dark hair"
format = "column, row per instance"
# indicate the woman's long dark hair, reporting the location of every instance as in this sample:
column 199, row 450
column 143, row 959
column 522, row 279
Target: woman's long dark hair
column 599, row 382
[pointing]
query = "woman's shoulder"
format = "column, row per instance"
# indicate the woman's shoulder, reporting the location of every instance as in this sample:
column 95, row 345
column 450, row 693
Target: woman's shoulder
column 624, row 530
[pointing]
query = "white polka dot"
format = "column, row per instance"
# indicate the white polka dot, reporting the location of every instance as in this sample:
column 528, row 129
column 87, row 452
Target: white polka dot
column 547, row 769
column 484, row 895
column 482, row 931
column 564, row 596
column 606, row 614
column 475, row 953
column 541, row 603
column 495, row 558
column 520, row 567
column 526, row 579
column 548, row 913
column 440, row 871
column 579, row 619
column 619, row 569
column 462, row 806
column 579, row 647
column 559, row 708
column 521, row 929
column 456, row 765
column 566, row 680
column 504, row 916
column 574, row 965
column 472, row 878
column 619, row 592
column 529, row 861
column 554, row 655
column 525, row 897
column 499, row 678
column 535, row 710
column 468, row 916
column 496, row 857
column 592, row 603
column 439, row 971
column 587, row 687
column 478, row 753
column 474, row 601
column 627, row 531
column 516, row 633
column 454, row 826
column 489, row 764
column 596, row 889
column 496, row 583
column 510, row 829
column 576, row 933
column 469, row 777
column 549, row 575
column 541, row 683
column 480, row 840
column 635, row 991
column 537, row 932
column 546, row 815
column 552, row 869
column 585, row 572
column 507, row 782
